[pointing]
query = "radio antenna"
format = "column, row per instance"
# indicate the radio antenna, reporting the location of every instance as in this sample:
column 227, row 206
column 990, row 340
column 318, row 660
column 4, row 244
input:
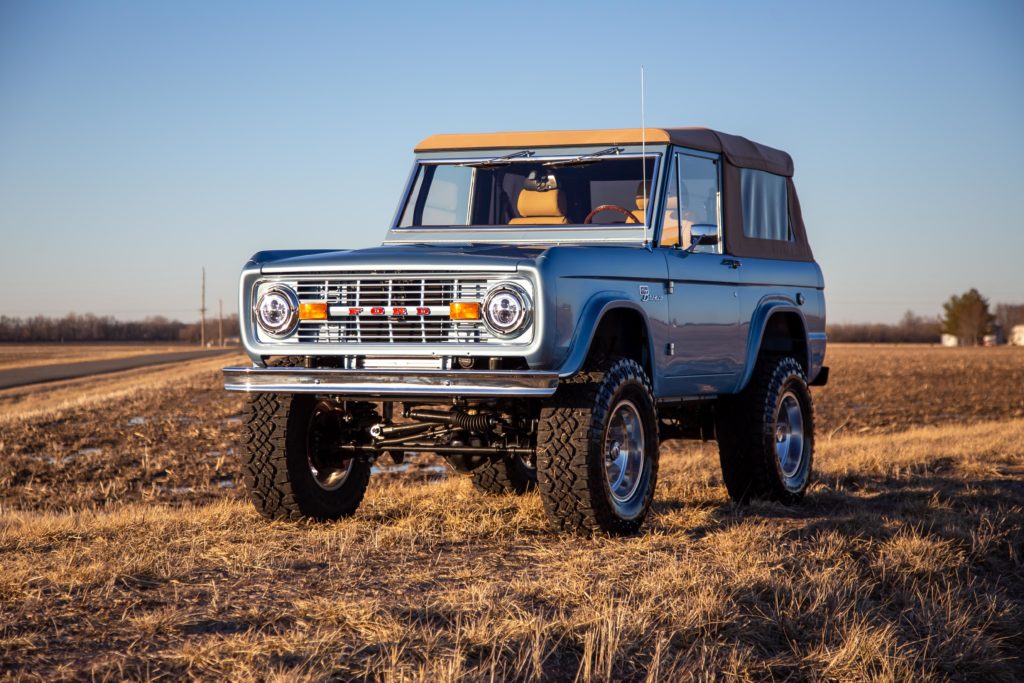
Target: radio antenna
column 643, row 146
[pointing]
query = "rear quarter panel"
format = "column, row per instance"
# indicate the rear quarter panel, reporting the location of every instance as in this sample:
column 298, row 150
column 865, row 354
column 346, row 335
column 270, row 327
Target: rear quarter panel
column 770, row 283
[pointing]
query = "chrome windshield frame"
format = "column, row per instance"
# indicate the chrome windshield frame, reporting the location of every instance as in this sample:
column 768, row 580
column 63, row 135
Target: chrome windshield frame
column 530, row 234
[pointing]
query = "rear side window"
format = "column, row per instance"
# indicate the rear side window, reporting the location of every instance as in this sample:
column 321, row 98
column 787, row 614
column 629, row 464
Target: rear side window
column 765, row 206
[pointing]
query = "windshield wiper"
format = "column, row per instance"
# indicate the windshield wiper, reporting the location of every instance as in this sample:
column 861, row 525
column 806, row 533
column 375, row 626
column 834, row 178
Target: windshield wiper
column 499, row 161
column 584, row 159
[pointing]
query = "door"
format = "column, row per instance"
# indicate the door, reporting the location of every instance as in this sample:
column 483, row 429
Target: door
column 706, row 347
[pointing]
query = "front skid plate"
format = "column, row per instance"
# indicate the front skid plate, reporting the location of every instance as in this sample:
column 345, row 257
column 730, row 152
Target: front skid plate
column 391, row 383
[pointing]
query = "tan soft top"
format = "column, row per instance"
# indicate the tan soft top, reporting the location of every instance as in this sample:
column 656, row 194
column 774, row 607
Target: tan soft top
column 740, row 151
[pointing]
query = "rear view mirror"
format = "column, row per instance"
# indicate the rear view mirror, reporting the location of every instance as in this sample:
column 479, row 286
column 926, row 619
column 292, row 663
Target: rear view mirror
column 702, row 235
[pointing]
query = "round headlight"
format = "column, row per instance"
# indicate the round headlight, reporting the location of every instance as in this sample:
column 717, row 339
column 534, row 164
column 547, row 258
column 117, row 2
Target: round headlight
column 277, row 311
column 507, row 309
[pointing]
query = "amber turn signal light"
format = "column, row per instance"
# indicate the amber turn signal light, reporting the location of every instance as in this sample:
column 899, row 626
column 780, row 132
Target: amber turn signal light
column 312, row 311
column 464, row 310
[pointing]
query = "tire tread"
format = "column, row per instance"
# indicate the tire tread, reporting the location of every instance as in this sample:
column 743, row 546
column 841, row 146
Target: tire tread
column 570, row 423
column 271, row 482
column 743, row 429
column 502, row 476
column 264, row 456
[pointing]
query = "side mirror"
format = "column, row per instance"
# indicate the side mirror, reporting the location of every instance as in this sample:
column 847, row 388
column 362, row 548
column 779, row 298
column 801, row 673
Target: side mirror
column 702, row 235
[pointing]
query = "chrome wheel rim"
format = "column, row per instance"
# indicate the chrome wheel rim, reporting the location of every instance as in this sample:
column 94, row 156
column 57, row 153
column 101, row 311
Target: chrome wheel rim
column 624, row 451
column 330, row 472
column 789, row 435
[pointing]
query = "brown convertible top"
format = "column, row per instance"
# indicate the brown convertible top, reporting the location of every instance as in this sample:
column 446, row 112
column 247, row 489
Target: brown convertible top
column 739, row 151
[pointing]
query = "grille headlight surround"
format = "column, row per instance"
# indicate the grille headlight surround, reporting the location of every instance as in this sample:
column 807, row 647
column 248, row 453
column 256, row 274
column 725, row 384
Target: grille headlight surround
column 508, row 309
column 277, row 311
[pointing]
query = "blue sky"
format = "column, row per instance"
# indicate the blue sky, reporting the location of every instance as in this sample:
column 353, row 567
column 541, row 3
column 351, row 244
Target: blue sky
column 142, row 141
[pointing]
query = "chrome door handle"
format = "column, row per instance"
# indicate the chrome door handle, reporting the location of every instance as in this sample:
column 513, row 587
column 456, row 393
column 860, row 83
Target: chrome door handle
column 731, row 262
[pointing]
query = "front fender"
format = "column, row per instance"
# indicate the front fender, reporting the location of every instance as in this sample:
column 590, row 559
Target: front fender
column 766, row 308
column 593, row 311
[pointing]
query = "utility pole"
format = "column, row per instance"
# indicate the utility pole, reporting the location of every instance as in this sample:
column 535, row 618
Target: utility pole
column 220, row 320
column 202, row 315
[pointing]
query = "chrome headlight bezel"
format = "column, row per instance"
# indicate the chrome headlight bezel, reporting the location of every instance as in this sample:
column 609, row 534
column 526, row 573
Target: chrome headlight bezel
column 522, row 321
column 290, row 323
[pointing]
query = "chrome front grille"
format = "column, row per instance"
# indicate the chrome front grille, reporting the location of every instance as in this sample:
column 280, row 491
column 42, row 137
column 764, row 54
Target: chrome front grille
column 403, row 291
column 397, row 331
column 411, row 292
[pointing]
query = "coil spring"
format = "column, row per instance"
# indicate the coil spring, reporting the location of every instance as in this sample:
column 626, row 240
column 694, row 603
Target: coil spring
column 472, row 423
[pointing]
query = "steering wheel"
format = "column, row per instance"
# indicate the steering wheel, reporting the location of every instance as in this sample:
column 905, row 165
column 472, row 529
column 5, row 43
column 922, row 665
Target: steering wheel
column 610, row 207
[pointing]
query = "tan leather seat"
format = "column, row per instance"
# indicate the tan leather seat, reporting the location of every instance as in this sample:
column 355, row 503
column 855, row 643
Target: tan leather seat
column 540, row 203
column 669, row 223
column 641, row 203
column 670, row 238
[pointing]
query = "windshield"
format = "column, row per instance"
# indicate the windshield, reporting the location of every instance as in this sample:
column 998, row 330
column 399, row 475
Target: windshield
column 522, row 191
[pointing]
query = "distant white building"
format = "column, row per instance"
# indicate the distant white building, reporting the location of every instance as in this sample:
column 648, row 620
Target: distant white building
column 950, row 340
column 1017, row 335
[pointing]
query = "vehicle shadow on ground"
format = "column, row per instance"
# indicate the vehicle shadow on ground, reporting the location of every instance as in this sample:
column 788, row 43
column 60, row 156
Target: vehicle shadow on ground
column 876, row 508
column 938, row 555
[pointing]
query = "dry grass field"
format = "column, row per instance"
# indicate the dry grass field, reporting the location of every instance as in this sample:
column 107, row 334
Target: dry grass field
column 128, row 551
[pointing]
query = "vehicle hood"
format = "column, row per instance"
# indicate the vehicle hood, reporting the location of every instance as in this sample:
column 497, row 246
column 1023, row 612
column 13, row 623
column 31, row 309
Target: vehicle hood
column 400, row 257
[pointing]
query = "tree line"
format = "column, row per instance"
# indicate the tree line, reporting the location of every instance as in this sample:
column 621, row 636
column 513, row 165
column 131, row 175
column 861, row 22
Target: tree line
column 911, row 329
column 92, row 328
column 966, row 316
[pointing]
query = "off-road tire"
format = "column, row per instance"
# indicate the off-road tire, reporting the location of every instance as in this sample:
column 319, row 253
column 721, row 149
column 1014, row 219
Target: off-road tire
column 275, row 466
column 508, row 474
column 745, row 426
column 570, row 450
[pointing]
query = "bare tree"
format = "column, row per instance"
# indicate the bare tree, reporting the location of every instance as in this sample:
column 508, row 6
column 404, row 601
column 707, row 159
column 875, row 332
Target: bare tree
column 1009, row 316
column 914, row 329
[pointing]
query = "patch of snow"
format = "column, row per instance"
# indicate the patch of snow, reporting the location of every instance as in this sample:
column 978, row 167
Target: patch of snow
column 176, row 490
column 407, row 466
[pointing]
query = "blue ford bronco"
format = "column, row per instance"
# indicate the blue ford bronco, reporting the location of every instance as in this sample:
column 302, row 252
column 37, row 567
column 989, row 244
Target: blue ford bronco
column 546, row 309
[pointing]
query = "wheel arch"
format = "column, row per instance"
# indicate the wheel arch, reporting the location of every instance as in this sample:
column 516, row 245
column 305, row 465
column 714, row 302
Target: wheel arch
column 778, row 326
column 621, row 323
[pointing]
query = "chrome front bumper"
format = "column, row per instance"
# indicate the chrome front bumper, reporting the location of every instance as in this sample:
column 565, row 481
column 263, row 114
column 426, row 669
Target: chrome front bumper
column 392, row 383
